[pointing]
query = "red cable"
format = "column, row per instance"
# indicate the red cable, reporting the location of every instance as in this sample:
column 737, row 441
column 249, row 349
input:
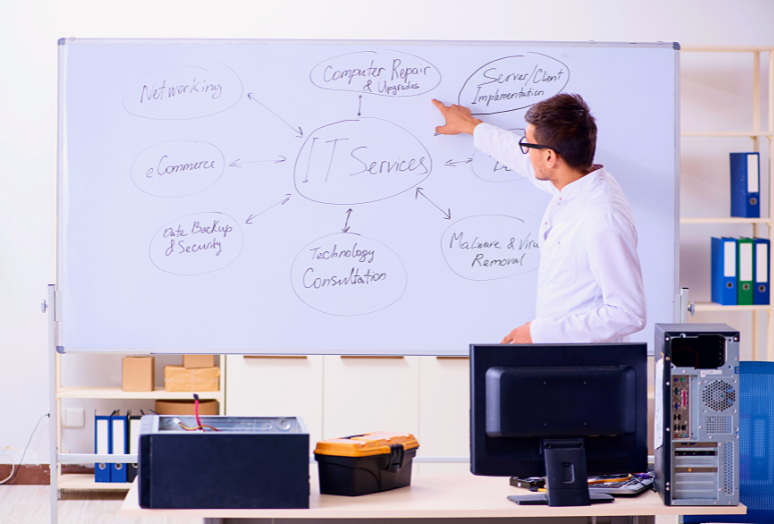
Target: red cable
column 196, row 410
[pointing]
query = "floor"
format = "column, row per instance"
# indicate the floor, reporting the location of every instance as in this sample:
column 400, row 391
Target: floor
column 30, row 505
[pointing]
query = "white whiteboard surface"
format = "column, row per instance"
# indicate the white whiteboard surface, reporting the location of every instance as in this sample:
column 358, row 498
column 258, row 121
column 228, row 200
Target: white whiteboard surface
column 293, row 197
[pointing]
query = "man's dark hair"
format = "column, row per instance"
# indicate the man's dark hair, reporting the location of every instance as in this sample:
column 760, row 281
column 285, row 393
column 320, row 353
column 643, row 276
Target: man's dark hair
column 564, row 123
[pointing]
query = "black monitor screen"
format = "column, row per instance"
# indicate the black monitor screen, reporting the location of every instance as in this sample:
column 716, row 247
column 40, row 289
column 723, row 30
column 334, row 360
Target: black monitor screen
column 524, row 394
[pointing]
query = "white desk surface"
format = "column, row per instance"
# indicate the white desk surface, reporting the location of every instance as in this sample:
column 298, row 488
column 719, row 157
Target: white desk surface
column 430, row 496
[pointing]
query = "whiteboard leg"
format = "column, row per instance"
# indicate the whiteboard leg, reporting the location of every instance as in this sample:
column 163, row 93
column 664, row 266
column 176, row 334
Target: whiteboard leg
column 50, row 309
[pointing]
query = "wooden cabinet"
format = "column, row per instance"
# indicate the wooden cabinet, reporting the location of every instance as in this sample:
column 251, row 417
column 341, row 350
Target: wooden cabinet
column 277, row 387
column 362, row 394
column 340, row 396
column 444, row 413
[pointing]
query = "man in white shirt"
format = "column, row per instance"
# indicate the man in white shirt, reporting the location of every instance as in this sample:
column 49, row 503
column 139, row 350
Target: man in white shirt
column 589, row 282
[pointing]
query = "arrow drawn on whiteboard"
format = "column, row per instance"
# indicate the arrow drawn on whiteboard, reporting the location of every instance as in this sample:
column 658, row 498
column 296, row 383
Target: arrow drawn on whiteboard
column 295, row 130
column 346, row 223
column 309, row 163
column 451, row 163
column 446, row 214
column 282, row 203
column 237, row 163
column 359, row 104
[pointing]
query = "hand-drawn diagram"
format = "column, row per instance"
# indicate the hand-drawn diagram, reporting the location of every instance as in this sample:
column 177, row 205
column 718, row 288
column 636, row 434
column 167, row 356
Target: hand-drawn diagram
column 353, row 162
column 487, row 168
column 346, row 274
column 185, row 92
column 196, row 244
column 512, row 83
column 178, row 168
column 489, row 247
column 360, row 161
column 384, row 73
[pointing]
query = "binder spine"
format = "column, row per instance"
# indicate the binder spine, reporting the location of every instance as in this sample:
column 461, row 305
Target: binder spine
column 118, row 446
column 762, row 270
column 745, row 185
column 744, row 264
column 101, row 447
column 724, row 271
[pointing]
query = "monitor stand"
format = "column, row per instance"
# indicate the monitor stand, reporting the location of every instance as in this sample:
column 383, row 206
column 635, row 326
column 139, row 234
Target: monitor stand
column 566, row 479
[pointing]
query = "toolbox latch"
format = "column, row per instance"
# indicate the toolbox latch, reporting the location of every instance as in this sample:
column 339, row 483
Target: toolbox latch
column 396, row 457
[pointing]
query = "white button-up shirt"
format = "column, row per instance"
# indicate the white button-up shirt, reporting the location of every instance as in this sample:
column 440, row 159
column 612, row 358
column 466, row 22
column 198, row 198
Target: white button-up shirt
column 589, row 282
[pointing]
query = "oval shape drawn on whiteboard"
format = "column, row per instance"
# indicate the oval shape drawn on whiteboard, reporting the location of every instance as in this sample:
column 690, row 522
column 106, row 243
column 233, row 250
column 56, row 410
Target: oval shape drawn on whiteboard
column 360, row 161
column 490, row 170
column 196, row 244
column 383, row 73
column 513, row 82
column 346, row 274
column 489, row 247
column 184, row 92
column 177, row 168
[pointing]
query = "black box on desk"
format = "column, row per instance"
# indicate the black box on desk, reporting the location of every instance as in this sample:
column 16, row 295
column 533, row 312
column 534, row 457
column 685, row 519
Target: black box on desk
column 250, row 462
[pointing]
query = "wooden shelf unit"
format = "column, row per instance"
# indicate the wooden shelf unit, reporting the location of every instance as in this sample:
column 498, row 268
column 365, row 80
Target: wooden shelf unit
column 85, row 482
column 118, row 393
column 724, row 220
column 755, row 134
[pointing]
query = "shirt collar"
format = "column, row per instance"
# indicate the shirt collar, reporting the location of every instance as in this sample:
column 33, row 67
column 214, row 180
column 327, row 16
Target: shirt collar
column 583, row 184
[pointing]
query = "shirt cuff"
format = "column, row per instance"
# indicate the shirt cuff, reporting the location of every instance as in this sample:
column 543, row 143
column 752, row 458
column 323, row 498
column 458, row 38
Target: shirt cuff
column 479, row 134
column 537, row 330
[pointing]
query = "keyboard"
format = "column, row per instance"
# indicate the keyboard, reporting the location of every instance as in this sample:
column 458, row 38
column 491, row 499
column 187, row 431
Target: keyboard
column 629, row 487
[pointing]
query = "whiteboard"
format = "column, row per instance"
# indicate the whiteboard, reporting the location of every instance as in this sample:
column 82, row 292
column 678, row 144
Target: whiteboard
column 292, row 197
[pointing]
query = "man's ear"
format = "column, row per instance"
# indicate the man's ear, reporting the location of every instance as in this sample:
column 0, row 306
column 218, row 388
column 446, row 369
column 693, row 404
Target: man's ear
column 550, row 157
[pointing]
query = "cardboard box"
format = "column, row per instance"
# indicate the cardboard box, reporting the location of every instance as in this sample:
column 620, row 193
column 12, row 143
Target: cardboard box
column 178, row 378
column 198, row 361
column 137, row 374
column 185, row 407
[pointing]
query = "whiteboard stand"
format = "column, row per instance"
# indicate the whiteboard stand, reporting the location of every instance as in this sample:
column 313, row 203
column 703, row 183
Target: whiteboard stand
column 49, row 306
column 56, row 459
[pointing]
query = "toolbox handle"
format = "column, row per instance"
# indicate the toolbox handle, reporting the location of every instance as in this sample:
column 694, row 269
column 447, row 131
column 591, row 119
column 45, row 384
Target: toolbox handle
column 396, row 457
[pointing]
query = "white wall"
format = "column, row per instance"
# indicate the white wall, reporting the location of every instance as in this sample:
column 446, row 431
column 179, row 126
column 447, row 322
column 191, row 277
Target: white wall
column 28, row 69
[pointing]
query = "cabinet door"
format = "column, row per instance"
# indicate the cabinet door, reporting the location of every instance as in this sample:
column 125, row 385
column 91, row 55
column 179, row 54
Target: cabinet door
column 444, row 407
column 277, row 387
column 371, row 394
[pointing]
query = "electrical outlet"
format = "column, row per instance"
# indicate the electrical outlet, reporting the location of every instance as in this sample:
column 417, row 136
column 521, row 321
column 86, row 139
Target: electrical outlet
column 73, row 417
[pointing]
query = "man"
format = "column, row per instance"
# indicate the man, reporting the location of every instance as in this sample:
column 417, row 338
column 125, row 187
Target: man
column 589, row 282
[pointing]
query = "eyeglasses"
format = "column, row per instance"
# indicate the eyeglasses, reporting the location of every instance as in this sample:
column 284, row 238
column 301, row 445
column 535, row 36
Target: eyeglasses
column 526, row 145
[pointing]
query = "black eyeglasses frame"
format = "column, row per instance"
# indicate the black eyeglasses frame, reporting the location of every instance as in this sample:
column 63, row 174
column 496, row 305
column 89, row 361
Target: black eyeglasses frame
column 525, row 146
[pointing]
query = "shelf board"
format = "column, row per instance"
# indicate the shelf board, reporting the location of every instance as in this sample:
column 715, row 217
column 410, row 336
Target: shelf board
column 712, row 306
column 726, row 48
column 727, row 133
column 118, row 393
column 724, row 220
column 85, row 481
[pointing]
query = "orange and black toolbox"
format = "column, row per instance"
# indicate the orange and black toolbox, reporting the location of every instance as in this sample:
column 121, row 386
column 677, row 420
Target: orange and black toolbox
column 364, row 464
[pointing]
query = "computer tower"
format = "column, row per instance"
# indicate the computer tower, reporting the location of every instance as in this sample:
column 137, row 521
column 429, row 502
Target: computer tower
column 696, row 427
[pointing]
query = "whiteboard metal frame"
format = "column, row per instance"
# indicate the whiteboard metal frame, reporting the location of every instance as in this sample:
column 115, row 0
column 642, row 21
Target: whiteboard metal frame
column 299, row 41
column 61, row 152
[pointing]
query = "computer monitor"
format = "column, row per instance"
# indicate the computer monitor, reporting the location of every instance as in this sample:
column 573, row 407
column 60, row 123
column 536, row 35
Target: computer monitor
column 563, row 411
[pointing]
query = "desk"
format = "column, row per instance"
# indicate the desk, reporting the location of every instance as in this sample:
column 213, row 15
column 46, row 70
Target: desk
column 433, row 497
